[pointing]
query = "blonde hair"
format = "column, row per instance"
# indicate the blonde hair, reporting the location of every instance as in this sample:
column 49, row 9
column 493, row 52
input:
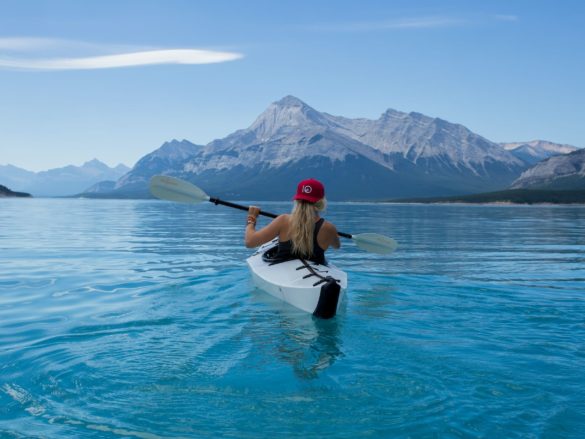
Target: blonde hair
column 302, row 226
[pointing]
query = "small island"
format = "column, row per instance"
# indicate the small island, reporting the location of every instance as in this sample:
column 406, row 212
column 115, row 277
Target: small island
column 5, row 192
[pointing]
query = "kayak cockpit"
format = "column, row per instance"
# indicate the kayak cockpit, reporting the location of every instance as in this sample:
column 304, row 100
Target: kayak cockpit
column 312, row 287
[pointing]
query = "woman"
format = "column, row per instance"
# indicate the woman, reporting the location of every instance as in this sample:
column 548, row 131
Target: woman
column 302, row 233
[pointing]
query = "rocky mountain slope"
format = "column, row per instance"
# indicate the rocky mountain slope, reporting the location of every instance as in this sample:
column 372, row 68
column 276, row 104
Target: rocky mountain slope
column 170, row 158
column 565, row 172
column 397, row 155
column 537, row 150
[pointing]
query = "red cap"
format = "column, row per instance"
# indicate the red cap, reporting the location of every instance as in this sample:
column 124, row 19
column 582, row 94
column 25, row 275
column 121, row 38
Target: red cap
column 310, row 190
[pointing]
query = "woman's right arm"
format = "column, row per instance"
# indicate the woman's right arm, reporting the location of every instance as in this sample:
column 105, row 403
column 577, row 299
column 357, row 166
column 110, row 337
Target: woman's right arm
column 333, row 236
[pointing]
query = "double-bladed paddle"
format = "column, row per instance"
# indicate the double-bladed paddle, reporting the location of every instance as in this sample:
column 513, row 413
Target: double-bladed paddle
column 174, row 189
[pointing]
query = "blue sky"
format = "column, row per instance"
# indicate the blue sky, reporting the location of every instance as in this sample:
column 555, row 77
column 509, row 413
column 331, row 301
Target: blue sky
column 115, row 79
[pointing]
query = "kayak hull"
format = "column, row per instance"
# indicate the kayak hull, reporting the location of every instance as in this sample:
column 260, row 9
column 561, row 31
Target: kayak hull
column 318, row 290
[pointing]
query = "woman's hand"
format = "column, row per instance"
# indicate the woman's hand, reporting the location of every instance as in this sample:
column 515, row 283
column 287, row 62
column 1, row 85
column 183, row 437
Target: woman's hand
column 254, row 211
column 253, row 238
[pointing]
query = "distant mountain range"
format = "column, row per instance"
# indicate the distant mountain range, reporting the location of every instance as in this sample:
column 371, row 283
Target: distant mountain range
column 398, row 155
column 68, row 180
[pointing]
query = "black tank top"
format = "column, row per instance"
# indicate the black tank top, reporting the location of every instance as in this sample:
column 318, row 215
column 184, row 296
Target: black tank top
column 318, row 256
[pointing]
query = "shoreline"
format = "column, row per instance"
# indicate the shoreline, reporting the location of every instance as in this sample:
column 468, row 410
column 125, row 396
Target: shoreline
column 334, row 202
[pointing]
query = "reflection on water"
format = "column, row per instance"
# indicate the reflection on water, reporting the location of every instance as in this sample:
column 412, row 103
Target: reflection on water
column 309, row 344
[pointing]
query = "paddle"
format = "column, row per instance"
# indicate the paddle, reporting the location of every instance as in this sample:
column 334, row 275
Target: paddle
column 174, row 189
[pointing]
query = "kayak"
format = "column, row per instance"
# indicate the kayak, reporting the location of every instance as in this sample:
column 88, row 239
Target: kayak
column 313, row 288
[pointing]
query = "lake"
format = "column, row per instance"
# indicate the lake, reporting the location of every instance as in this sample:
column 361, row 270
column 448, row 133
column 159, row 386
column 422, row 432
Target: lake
column 138, row 319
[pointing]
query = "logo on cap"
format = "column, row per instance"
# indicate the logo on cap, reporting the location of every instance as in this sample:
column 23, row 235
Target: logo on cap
column 310, row 190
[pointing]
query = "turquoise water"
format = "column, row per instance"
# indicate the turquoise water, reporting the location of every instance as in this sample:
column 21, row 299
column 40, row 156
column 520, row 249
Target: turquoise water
column 138, row 319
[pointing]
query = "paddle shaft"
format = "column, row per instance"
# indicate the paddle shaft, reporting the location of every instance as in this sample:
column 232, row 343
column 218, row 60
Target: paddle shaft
column 268, row 214
column 173, row 189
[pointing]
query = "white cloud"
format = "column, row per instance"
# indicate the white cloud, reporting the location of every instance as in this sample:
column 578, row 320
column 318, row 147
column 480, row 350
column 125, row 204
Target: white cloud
column 176, row 56
column 54, row 54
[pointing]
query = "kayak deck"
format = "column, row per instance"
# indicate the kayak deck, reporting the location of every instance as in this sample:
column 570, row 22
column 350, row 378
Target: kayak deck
column 299, row 285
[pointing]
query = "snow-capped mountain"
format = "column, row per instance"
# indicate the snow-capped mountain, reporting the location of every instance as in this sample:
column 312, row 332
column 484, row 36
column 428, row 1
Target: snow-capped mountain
column 290, row 130
column 68, row 180
column 423, row 140
column 562, row 172
column 537, row 150
column 396, row 155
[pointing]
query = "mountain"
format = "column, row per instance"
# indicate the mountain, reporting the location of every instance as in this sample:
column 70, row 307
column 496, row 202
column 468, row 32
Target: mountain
column 537, row 150
column 101, row 187
column 5, row 192
column 63, row 181
column 168, row 159
column 397, row 155
column 565, row 172
column 15, row 177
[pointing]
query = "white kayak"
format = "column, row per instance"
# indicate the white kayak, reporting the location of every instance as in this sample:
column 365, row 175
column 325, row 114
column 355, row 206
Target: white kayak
column 317, row 289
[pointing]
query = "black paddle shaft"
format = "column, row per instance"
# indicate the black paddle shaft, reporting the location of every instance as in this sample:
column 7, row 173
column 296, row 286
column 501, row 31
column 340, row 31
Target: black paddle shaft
column 217, row 201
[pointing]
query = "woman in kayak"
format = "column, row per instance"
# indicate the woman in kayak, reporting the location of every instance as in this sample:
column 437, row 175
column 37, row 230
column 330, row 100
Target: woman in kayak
column 302, row 233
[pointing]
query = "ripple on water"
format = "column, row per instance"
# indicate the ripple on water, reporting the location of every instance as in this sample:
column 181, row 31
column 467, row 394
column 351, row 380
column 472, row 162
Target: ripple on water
column 139, row 319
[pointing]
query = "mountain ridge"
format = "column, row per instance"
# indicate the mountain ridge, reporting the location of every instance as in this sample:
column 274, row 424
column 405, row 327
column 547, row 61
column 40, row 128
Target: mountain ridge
column 398, row 154
column 63, row 181
column 535, row 151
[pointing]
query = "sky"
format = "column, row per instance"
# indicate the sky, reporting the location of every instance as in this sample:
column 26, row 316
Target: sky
column 115, row 79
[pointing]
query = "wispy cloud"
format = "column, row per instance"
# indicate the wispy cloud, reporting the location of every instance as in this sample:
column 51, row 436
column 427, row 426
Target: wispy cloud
column 54, row 54
column 410, row 23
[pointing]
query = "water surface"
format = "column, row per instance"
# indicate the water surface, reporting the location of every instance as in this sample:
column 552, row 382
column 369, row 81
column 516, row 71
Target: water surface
column 139, row 319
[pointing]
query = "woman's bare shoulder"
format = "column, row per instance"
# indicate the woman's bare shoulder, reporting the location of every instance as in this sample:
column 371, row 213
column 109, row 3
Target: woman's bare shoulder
column 329, row 227
column 282, row 221
column 330, row 234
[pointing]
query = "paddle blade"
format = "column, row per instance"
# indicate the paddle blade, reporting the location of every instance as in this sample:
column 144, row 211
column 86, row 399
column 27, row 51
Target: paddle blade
column 173, row 189
column 375, row 243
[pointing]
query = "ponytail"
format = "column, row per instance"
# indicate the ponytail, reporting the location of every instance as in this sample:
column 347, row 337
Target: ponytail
column 302, row 226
